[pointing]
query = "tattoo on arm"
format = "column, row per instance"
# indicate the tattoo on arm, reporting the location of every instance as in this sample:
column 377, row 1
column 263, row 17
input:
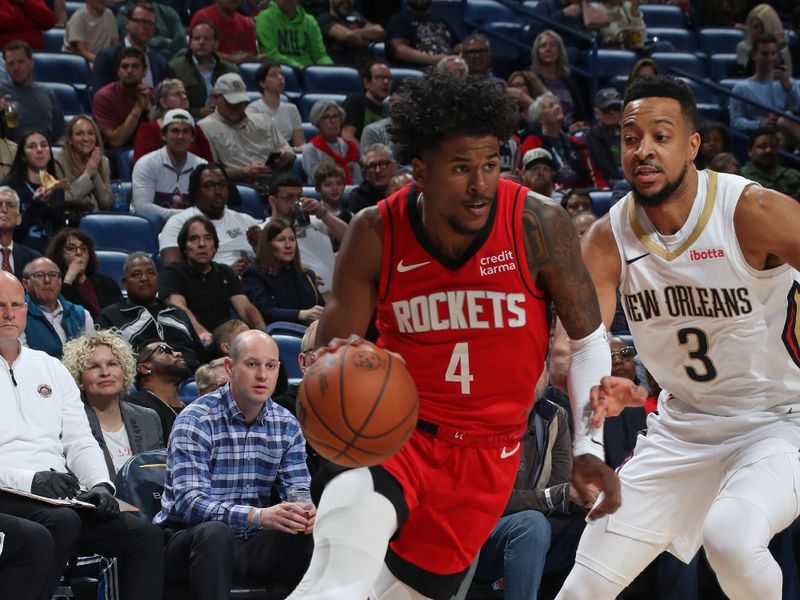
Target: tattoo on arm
column 554, row 259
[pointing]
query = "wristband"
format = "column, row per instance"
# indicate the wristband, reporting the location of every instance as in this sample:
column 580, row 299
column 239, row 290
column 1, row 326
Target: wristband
column 548, row 499
column 257, row 519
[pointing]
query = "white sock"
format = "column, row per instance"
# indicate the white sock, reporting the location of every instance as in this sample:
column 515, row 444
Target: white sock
column 352, row 530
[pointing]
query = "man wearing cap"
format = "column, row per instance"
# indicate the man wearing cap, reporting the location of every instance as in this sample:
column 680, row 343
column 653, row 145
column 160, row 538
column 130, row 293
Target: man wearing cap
column 537, row 171
column 161, row 178
column 604, row 137
column 241, row 141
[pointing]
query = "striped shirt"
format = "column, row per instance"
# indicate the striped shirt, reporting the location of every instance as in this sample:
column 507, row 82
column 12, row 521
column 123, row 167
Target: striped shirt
column 219, row 467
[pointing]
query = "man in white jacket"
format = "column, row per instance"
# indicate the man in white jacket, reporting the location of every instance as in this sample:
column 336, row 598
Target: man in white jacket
column 47, row 449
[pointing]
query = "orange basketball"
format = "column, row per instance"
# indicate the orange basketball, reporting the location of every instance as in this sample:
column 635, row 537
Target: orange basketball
column 358, row 405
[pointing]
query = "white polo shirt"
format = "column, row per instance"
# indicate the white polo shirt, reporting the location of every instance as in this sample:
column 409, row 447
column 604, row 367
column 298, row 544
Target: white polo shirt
column 158, row 186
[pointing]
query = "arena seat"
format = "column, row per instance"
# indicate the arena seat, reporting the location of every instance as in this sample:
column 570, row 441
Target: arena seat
column 612, row 62
column 399, row 74
column 68, row 98
column 309, row 130
column 311, row 192
column 720, row 41
column 685, row 61
column 125, row 162
column 601, row 202
column 72, row 6
column 723, row 66
column 682, row 39
column 289, row 348
column 487, row 11
column 111, row 263
column 331, row 79
column 663, row 15
column 251, row 202
column 307, row 101
column 51, row 67
column 121, row 232
column 248, row 72
column 377, row 50
column 293, row 87
column 187, row 391
column 53, row 39
column 286, row 327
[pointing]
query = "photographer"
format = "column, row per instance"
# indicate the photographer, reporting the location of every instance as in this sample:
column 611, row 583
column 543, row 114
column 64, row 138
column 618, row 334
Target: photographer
column 314, row 226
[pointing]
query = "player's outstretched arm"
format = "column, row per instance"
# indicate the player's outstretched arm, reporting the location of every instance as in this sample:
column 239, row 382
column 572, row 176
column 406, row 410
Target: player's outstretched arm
column 355, row 280
column 554, row 258
column 766, row 224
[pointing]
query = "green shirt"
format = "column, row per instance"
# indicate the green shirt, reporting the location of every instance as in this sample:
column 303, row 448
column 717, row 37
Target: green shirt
column 296, row 42
column 781, row 179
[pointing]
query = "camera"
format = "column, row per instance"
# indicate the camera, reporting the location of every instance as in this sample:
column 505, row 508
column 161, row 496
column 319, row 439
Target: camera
column 301, row 217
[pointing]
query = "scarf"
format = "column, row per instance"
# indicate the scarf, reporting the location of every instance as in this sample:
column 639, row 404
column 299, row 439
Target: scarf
column 351, row 156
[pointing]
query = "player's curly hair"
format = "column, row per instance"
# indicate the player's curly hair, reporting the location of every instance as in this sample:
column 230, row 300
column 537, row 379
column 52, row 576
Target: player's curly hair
column 78, row 353
column 440, row 106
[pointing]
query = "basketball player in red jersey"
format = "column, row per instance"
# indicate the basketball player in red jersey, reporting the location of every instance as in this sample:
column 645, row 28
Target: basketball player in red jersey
column 461, row 267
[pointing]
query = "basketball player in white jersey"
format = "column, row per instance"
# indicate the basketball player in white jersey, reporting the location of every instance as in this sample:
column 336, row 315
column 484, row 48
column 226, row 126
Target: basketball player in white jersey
column 705, row 263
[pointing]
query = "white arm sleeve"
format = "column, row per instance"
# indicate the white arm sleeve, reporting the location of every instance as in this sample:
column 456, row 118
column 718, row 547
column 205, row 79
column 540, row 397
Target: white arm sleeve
column 590, row 360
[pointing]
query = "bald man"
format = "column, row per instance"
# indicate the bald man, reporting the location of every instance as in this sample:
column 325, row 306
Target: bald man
column 47, row 448
column 227, row 452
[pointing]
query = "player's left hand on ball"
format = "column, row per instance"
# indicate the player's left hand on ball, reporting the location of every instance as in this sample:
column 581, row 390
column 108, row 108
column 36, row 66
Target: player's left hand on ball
column 590, row 472
column 613, row 395
column 353, row 340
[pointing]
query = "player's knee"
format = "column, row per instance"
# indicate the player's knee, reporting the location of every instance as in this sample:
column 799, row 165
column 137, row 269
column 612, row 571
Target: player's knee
column 728, row 544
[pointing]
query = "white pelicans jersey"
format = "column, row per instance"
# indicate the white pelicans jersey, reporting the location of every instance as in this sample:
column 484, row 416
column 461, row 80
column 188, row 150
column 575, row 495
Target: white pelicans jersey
column 713, row 331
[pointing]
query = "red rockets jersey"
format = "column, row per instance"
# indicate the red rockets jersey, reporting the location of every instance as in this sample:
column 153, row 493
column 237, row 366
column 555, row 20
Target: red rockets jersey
column 473, row 332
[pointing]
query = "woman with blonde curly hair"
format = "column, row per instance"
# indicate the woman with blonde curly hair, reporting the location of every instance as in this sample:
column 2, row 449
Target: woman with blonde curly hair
column 103, row 366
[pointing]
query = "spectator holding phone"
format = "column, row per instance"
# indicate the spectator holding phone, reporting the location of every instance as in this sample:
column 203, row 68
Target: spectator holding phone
column 770, row 85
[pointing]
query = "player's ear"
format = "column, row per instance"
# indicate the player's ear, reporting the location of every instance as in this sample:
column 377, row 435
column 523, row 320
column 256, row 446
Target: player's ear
column 418, row 172
column 694, row 145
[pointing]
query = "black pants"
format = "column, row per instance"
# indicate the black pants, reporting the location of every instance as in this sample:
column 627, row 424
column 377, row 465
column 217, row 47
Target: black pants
column 137, row 544
column 209, row 557
column 27, row 553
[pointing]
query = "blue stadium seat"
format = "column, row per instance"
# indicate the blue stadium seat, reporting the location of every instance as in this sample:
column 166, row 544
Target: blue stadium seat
column 308, row 100
column 377, row 50
column 331, row 79
column 248, row 72
column 487, row 11
column 612, row 62
column 53, row 39
column 702, row 93
column 286, row 328
column 251, row 202
column 505, row 53
column 720, row 41
column 311, row 192
column 400, row 73
column 663, row 15
column 72, row 6
column 187, row 391
column 125, row 162
column 297, row 168
column 532, row 5
column 121, row 232
column 140, row 481
column 682, row 39
column 111, row 263
column 601, row 202
column 686, row 62
column 309, row 130
column 49, row 67
column 289, row 348
column 68, row 97
column 293, row 86
column 723, row 66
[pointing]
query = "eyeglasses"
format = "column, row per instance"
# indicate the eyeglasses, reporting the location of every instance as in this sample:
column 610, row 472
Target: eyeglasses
column 331, row 117
column 142, row 274
column 145, row 22
column 290, row 197
column 75, row 248
column 161, row 349
column 40, row 275
column 210, row 185
column 380, row 164
column 625, row 353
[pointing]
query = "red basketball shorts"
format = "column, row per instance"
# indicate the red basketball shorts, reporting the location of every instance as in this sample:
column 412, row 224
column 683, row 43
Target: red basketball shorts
column 455, row 495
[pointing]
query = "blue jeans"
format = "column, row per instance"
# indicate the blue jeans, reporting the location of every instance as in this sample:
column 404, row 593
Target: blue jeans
column 516, row 551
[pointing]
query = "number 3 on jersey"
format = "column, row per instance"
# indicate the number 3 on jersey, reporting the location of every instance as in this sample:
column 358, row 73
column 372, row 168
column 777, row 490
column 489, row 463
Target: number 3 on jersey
column 458, row 368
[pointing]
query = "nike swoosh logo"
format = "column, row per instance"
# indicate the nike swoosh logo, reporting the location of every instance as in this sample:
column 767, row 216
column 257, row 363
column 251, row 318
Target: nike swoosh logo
column 401, row 268
column 633, row 260
column 505, row 454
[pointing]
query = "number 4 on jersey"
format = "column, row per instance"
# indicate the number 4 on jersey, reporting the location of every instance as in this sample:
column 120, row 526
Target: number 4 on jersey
column 458, row 369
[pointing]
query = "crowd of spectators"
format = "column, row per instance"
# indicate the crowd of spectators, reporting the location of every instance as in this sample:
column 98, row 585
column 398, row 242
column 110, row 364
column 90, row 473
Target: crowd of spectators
column 169, row 82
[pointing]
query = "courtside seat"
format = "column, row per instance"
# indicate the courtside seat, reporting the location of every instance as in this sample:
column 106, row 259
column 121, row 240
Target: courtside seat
column 121, row 232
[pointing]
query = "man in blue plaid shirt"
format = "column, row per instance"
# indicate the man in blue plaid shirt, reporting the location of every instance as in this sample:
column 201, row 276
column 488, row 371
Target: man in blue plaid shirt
column 227, row 452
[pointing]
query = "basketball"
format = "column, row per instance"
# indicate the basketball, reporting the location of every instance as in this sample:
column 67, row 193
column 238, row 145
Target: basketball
column 357, row 405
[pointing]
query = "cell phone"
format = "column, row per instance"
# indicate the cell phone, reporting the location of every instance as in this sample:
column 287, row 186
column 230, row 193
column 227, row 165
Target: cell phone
column 272, row 159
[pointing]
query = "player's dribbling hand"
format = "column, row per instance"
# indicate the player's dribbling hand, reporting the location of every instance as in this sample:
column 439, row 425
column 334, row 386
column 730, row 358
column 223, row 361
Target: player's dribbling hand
column 353, row 340
column 613, row 395
column 590, row 474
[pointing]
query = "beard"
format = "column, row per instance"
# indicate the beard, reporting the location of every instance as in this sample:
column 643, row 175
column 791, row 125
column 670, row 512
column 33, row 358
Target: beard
column 177, row 370
column 658, row 198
